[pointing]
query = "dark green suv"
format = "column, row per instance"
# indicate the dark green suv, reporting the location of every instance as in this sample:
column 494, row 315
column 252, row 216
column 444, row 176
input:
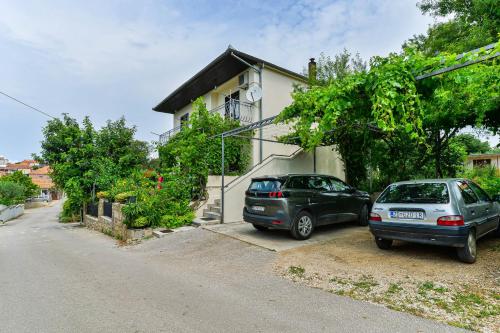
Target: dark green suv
column 299, row 203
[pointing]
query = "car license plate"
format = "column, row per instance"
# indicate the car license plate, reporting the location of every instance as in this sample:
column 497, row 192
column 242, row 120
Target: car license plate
column 258, row 208
column 408, row 215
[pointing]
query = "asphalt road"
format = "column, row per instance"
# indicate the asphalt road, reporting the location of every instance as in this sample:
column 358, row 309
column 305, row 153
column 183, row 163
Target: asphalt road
column 65, row 278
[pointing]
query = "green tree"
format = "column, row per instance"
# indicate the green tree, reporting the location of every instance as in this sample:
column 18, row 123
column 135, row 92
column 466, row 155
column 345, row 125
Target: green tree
column 84, row 161
column 400, row 127
column 196, row 149
column 30, row 189
column 471, row 24
column 11, row 193
column 471, row 144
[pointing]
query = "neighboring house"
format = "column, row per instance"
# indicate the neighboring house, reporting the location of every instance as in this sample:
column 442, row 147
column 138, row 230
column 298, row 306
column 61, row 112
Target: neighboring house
column 481, row 160
column 41, row 177
column 24, row 166
column 223, row 84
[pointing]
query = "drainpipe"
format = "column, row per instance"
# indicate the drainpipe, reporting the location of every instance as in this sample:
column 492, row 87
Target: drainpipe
column 259, row 71
column 222, row 183
column 260, row 116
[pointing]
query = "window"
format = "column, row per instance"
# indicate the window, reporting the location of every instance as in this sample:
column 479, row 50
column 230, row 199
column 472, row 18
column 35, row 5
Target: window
column 467, row 193
column 338, row 185
column 319, row 183
column 480, row 193
column 479, row 163
column 433, row 193
column 184, row 119
column 297, row 183
column 265, row 185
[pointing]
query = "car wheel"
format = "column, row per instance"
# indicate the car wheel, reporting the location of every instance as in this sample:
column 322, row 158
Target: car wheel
column 382, row 243
column 468, row 252
column 363, row 216
column 260, row 227
column 303, row 226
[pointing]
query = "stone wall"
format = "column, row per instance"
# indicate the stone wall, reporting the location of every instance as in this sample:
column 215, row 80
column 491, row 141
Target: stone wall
column 114, row 226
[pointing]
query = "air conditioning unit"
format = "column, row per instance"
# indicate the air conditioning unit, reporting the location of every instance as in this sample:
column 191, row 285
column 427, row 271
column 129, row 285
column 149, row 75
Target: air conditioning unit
column 243, row 81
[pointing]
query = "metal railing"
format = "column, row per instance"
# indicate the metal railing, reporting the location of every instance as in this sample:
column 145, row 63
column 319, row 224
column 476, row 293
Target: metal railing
column 233, row 109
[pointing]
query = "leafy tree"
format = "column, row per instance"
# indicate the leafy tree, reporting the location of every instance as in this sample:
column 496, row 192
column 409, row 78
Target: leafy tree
column 400, row 127
column 473, row 24
column 196, row 149
column 84, row 161
column 11, row 193
column 30, row 189
column 472, row 144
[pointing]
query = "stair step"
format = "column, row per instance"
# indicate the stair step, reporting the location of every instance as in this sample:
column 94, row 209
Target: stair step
column 217, row 202
column 214, row 208
column 198, row 222
column 212, row 215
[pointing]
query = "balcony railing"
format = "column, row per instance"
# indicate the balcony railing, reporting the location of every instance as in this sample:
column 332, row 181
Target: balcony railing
column 233, row 109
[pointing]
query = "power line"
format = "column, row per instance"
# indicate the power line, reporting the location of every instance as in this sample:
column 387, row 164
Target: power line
column 27, row 105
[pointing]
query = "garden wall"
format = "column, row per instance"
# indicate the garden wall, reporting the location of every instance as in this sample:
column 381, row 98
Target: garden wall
column 114, row 226
column 10, row 212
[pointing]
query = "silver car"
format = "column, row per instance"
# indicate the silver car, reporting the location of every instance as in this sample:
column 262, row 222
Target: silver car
column 449, row 212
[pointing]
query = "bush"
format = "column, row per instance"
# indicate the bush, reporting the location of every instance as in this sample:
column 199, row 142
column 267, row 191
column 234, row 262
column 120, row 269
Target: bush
column 123, row 197
column 487, row 177
column 29, row 188
column 102, row 195
column 11, row 193
column 167, row 206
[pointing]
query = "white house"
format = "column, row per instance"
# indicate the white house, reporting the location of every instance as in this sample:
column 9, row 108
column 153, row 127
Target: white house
column 224, row 84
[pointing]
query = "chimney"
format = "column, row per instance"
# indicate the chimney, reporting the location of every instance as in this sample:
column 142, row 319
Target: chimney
column 312, row 71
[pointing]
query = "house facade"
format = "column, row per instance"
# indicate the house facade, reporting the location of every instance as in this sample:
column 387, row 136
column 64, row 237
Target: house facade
column 482, row 160
column 248, row 89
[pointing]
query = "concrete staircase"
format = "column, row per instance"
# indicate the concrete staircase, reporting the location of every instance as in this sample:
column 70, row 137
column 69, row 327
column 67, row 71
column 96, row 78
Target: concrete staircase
column 211, row 214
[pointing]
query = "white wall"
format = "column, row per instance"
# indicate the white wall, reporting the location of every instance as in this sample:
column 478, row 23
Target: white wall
column 10, row 213
column 327, row 163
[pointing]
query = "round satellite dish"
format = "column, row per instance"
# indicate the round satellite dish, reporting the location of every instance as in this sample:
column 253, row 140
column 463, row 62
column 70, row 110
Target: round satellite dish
column 254, row 93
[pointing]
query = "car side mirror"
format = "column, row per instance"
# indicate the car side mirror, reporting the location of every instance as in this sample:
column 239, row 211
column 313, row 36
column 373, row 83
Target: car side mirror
column 496, row 198
column 350, row 190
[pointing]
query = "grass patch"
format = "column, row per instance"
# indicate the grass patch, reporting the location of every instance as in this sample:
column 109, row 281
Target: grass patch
column 296, row 271
column 366, row 283
column 394, row 288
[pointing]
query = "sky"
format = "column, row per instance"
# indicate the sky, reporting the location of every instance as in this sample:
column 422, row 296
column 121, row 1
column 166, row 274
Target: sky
column 108, row 59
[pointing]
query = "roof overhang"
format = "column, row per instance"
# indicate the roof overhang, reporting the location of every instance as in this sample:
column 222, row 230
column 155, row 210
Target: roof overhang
column 220, row 70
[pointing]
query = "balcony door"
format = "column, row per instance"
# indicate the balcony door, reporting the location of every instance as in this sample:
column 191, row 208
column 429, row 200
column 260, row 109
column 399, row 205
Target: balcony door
column 232, row 105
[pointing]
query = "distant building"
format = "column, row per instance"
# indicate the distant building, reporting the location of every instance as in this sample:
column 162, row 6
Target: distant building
column 3, row 161
column 41, row 177
column 482, row 160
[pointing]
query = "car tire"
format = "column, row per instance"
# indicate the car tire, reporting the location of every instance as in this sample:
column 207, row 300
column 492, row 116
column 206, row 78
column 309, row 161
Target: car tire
column 468, row 253
column 260, row 227
column 383, row 244
column 303, row 226
column 363, row 216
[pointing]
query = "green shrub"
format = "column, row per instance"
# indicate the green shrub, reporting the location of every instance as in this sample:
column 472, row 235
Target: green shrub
column 29, row 188
column 123, row 197
column 487, row 177
column 11, row 193
column 103, row 195
column 140, row 222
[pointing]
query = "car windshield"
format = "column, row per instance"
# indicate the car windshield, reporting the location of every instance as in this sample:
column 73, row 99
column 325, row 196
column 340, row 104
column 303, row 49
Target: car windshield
column 265, row 185
column 436, row 193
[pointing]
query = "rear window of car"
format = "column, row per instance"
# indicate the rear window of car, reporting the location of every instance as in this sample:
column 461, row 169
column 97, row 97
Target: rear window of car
column 432, row 193
column 265, row 185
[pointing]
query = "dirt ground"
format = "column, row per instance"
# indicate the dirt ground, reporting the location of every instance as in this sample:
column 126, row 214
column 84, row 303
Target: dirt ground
column 428, row 281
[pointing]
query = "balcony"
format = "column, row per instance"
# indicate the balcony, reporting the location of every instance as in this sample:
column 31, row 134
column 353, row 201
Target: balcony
column 233, row 109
